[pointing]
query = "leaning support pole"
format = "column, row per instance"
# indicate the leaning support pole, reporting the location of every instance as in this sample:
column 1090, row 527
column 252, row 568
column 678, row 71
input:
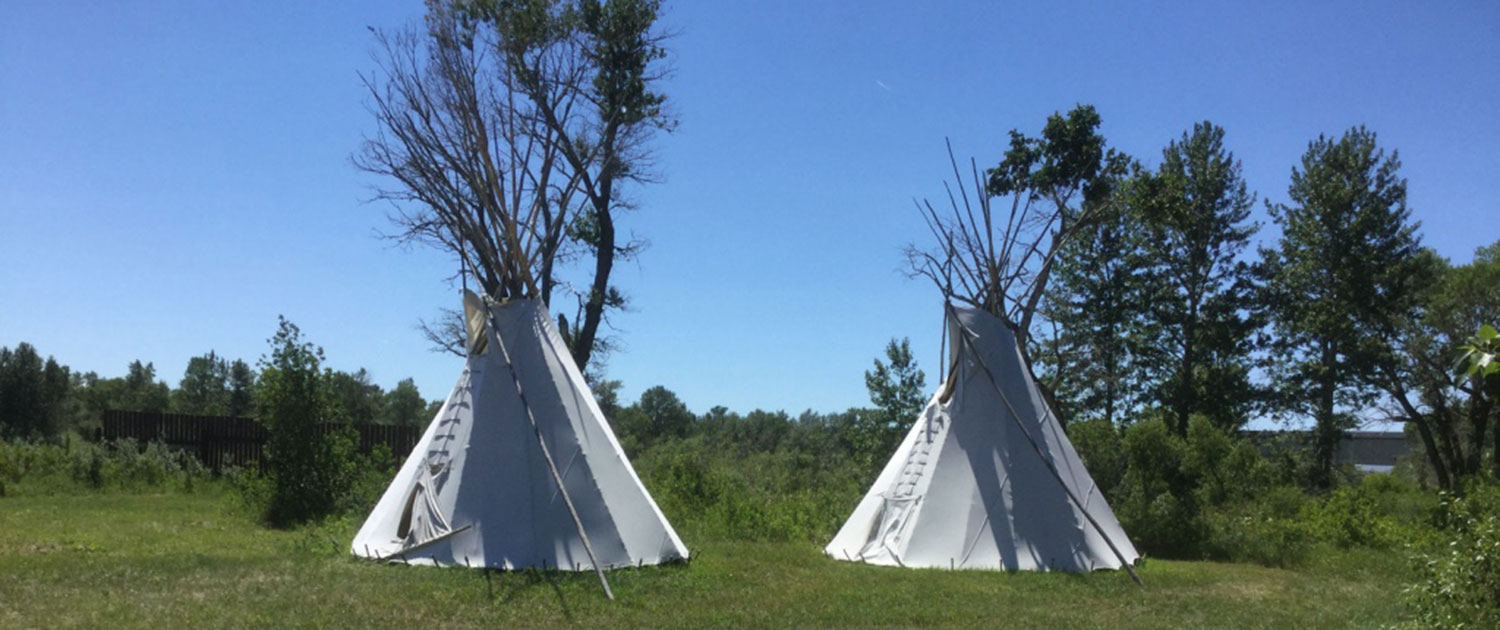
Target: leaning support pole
column 552, row 466
column 1016, row 418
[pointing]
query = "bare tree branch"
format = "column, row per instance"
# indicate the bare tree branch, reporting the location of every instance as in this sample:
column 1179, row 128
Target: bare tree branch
column 1003, row 266
column 509, row 131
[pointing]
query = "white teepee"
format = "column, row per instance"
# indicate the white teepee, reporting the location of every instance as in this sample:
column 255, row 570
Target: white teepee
column 986, row 478
column 480, row 487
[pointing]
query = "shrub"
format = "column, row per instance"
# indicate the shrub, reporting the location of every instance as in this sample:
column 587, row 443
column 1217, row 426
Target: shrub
column 770, row 496
column 372, row 474
column 1223, row 467
column 310, row 469
column 73, row 464
column 1266, row 531
column 1350, row 517
column 1098, row 444
column 1156, row 502
column 1459, row 585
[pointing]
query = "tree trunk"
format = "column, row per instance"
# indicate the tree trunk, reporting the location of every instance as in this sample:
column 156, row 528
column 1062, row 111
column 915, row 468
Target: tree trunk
column 1495, row 445
column 1185, row 371
column 1442, row 420
column 1184, row 378
column 1440, row 467
column 1479, row 416
column 1326, row 434
column 604, row 261
column 1112, row 369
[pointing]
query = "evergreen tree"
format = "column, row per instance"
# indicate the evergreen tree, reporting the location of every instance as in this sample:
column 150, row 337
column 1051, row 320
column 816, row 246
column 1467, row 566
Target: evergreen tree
column 1344, row 270
column 33, row 393
column 140, row 391
column 1090, row 364
column 1199, row 292
column 241, row 399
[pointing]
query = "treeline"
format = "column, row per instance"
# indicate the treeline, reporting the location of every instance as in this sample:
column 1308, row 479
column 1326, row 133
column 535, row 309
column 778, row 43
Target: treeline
column 42, row 399
column 1160, row 309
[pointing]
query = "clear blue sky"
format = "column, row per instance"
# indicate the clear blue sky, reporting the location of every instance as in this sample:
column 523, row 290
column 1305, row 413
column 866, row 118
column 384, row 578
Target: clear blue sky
column 175, row 174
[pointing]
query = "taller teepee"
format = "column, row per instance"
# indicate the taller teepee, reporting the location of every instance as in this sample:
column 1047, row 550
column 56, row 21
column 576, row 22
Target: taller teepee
column 986, row 478
column 480, row 489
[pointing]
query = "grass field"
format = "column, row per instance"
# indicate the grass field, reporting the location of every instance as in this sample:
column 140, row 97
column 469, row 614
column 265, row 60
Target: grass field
column 122, row 560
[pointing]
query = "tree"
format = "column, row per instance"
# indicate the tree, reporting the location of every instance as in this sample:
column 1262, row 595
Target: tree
column 1096, row 307
column 1448, row 410
column 356, row 398
column 1056, row 184
column 204, row 388
column 241, row 400
column 310, row 468
column 512, row 131
column 404, row 405
column 140, row 391
column 33, row 393
column 1346, row 269
column 607, row 394
column 896, row 390
column 433, row 407
column 1200, row 293
column 668, row 416
column 1479, row 367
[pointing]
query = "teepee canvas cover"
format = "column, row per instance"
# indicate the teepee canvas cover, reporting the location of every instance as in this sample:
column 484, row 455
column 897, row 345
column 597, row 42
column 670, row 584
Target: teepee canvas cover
column 478, row 490
column 971, row 485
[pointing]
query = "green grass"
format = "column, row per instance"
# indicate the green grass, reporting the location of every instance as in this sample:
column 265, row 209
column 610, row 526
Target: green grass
column 124, row 560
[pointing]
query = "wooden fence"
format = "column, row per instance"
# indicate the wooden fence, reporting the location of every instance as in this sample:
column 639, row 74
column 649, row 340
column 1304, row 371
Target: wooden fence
column 228, row 440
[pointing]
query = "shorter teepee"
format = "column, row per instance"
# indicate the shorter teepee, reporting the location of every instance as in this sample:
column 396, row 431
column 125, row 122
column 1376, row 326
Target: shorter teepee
column 480, row 489
column 986, row 478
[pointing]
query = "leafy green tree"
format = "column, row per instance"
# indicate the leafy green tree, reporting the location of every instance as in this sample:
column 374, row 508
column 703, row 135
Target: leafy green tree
column 632, row 427
column 607, row 394
column 311, row 469
column 1479, row 359
column 896, row 391
column 1001, row 262
column 1199, row 292
column 241, row 399
column 356, row 397
column 761, row 430
column 1346, row 269
column 1098, row 445
column 667, row 416
column 33, row 393
column 405, row 406
column 1436, row 402
column 1480, row 366
column 204, row 388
